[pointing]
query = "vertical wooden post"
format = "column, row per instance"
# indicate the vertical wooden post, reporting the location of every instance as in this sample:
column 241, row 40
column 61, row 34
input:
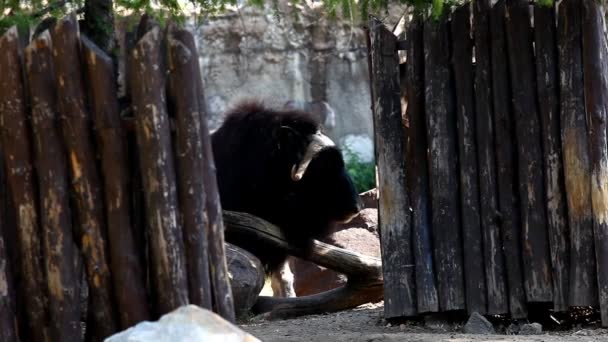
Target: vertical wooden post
column 462, row 49
column 58, row 248
column 393, row 210
column 416, row 169
column 506, row 163
column 495, row 269
column 189, row 155
column 537, row 266
column 596, row 102
column 547, row 81
column 86, row 183
column 158, row 174
column 18, row 159
column 575, row 149
column 443, row 165
column 222, row 292
column 127, row 271
column 8, row 314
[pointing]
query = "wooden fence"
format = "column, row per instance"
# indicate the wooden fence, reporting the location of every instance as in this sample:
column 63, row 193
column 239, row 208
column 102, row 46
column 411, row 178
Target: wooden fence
column 74, row 248
column 494, row 180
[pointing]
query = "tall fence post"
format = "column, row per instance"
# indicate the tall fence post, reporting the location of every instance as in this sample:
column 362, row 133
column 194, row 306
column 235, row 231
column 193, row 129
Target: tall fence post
column 535, row 252
column 416, row 169
column 86, row 183
column 189, row 157
column 59, row 251
column 127, row 271
column 547, row 81
column 506, row 163
column 596, row 103
column 443, row 165
column 575, row 148
column 393, row 211
column 462, row 49
column 168, row 262
column 20, row 178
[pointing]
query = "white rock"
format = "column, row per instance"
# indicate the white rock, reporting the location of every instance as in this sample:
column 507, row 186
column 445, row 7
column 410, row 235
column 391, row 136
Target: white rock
column 188, row 323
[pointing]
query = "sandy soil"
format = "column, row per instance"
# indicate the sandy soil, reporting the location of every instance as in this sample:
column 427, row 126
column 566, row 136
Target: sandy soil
column 366, row 324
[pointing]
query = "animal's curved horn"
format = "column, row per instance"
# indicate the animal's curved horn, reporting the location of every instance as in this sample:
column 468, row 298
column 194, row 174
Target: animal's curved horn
column 318, row 142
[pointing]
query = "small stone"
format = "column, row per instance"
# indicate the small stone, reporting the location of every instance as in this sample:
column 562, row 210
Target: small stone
column 402, row 327
column 531, row 329
column 389, row 325
column 477, row 324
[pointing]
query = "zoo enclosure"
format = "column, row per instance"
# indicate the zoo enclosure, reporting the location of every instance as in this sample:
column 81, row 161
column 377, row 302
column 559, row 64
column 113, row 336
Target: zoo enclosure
column 102, row 225
column 494, row 180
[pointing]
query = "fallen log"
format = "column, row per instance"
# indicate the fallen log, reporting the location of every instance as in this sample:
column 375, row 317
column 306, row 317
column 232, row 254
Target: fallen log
column 364, row 285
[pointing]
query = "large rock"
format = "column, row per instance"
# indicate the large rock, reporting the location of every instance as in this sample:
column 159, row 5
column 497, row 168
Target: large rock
column 188, row 323
column 477, row 324
column 246, row 275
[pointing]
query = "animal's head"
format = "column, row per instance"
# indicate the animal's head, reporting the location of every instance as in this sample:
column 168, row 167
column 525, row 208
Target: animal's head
column 320, row 183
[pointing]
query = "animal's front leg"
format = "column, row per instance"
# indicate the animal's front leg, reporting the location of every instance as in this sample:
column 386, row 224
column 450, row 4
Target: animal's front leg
column 282, row 281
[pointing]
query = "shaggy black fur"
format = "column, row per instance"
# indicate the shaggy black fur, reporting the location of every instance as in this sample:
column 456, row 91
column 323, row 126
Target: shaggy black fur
column 254, row 152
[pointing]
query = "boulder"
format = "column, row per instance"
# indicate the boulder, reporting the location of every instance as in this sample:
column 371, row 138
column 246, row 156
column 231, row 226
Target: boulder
column 246, row 275
column 187, row 323
column 477, row 324
column 531, row 329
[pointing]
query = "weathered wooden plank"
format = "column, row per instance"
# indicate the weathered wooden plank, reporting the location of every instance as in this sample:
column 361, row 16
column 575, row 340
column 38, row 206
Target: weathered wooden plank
column 127, row 271
column 535, row 251
column 462, row 56
column 19, row 165
column 222, row 292
column 58, row 249
column 596, row 102
column 393, row 213
column 8, row 314
column 417, row 170
column 575, row 149
column 547, row 81
column 505, row 142
column 166, row 244
column 495, row 269
column 85, row 180
column 189, row 153
column 443, row 165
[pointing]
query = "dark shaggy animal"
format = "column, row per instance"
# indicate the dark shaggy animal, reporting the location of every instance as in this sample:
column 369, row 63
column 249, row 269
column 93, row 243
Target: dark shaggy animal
column 277, row 165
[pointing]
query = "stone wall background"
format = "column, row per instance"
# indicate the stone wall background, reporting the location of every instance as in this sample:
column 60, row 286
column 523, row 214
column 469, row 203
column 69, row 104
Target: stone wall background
column 255, row 53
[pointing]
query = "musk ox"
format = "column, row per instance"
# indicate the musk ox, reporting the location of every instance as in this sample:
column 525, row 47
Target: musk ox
column 279, row 166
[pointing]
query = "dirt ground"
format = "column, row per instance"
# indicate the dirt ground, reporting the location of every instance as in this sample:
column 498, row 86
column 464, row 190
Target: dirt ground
column 366, row 324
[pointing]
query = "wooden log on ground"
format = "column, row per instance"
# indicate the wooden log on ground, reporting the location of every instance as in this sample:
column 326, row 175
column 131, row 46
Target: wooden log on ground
column 59, row 250
column 190, row 165
column 19, row 164
column 547, row 81
column 394, row 220
column 417, row 170
column 222, row 293
column 158, row 174
column 475, row 283
column 596, row 104
column 364, row 273
column 127, row 271
column 8, row 314
column 575, row 149
column 535, row 254
column 86, row 183
column 494, row 257
column 443, row 165
column 506, row 163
